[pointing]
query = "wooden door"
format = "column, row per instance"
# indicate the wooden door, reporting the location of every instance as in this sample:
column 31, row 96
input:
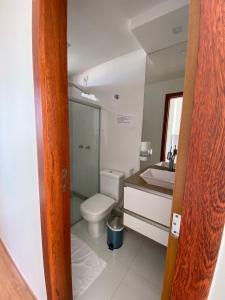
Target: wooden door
column 190, row 272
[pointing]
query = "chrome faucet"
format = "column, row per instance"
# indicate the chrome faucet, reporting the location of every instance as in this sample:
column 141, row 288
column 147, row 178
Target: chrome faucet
column 171, row 157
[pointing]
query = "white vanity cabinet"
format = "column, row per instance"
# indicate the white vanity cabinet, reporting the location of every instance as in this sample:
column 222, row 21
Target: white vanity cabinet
column 148, row 213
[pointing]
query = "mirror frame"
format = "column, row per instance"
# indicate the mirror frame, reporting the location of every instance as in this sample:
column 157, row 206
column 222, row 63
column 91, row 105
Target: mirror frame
column 168, row 98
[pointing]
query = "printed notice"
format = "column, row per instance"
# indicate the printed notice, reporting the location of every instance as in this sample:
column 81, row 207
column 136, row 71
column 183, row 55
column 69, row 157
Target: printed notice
column 125, row 119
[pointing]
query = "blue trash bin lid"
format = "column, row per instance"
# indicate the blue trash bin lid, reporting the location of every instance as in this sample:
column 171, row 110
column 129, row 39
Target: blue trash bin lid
column 115, row 223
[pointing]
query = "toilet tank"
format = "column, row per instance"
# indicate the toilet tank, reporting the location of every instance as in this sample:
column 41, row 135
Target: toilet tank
column 111, row 184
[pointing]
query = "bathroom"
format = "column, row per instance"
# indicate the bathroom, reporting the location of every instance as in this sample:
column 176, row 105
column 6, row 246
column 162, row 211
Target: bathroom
column 125, row 100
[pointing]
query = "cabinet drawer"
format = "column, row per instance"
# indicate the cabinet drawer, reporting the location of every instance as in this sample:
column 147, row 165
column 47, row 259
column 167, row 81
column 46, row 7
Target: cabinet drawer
column 149, row 230
column 150, row 206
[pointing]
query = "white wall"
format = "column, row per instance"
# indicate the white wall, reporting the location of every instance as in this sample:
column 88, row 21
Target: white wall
column 217, row 290
column 19, row 199
column 125, row 76
column 154, row 112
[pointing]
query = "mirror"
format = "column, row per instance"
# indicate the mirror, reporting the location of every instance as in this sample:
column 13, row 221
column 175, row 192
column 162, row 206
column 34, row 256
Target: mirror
column 163, row 100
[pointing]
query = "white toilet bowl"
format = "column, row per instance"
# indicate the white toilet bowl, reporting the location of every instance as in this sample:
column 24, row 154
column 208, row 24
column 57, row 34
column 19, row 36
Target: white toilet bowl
column 94, row 210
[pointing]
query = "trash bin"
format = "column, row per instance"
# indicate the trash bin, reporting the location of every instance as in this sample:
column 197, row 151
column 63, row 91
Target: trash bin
column 115, row 232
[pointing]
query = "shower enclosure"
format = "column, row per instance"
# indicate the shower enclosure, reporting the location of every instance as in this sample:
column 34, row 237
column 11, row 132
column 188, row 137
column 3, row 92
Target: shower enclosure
column 84, row 153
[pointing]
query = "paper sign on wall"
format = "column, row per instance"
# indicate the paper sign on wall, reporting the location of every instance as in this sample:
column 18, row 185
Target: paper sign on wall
column 125, row 119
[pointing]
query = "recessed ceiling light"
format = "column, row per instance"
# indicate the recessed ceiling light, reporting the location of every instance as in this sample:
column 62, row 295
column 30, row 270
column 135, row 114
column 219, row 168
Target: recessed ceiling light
column 89, row 96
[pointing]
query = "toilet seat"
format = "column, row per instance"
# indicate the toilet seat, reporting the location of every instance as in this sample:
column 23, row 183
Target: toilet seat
column 97, row 205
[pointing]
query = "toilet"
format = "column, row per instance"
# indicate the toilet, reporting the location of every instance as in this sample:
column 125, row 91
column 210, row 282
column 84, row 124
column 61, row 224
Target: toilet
column 95, row 209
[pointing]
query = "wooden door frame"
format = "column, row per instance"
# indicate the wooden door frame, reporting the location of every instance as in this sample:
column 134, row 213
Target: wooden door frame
column 51, row 108
column 168, row 98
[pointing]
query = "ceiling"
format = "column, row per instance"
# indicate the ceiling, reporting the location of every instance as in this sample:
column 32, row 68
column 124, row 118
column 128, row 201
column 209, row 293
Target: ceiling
column 166, row 64
column 134, row 8
column 163, row 31
column 98, row 30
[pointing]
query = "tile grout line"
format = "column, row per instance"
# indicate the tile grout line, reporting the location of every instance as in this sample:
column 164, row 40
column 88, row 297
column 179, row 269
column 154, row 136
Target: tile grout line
column 148, row 280
column 142, row 244
column 128, row 269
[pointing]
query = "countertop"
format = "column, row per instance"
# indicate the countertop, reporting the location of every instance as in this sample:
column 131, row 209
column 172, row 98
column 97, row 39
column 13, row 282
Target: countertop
column 135, row 181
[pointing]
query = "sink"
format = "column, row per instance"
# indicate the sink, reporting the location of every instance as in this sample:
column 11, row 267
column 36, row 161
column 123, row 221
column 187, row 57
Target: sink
column 164, row 164
column 159, row 177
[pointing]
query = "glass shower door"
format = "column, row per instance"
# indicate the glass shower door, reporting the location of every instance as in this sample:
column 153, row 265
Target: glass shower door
column 84, row 154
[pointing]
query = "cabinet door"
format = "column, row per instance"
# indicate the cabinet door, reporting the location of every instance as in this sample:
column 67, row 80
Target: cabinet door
column 150, row 206
column 149, row 230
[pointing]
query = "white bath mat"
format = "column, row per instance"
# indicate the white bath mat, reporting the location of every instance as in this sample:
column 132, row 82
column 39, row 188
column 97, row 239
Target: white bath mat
column 86, row 266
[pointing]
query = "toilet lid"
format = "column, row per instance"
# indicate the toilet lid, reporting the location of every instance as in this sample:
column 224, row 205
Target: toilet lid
column 97, row 204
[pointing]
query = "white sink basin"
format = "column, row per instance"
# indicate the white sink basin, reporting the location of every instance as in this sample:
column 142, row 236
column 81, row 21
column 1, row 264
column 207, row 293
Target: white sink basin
column 164, row 164
column 159, row 177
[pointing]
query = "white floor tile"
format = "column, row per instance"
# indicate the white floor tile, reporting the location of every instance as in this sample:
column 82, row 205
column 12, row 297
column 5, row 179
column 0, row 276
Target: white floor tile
column 135, row 271
column 150, row 263
column 126, row 254
column 105, row 285
column 134, row 287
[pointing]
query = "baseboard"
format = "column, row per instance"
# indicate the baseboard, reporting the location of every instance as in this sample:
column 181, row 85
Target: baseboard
column 17, row 269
